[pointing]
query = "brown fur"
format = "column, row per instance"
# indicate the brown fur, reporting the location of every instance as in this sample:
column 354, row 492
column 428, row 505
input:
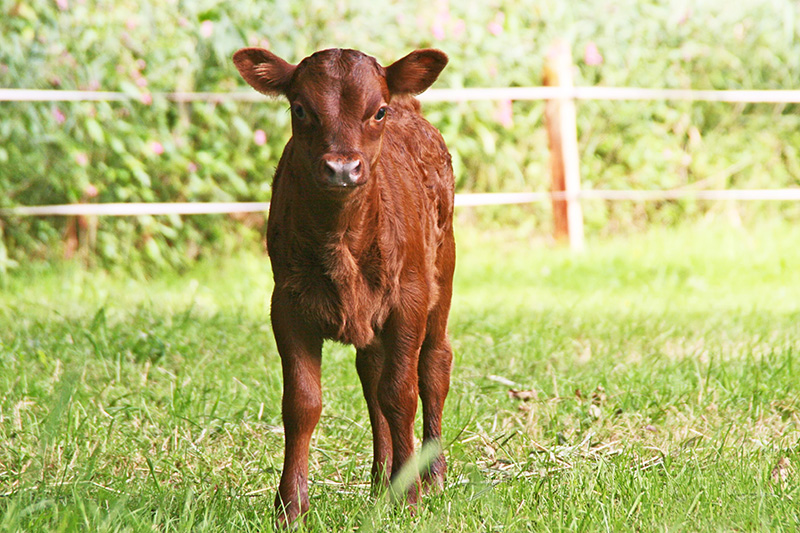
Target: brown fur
column 364, row 255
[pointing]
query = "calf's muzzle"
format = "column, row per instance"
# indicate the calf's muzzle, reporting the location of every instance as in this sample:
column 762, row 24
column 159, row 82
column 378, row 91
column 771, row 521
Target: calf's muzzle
column 342, row 170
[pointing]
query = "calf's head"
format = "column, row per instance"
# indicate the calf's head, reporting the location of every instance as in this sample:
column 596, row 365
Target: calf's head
column 340, row 103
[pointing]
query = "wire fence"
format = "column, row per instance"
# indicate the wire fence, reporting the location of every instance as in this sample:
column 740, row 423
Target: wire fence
column 432, row 95
column 461, row 200
column 436, row 95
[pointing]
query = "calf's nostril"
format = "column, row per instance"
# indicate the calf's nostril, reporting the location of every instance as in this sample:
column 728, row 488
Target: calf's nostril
column 332, row 168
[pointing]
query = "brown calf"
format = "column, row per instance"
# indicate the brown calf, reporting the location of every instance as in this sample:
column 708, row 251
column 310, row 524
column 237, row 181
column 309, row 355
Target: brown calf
column 360, row 237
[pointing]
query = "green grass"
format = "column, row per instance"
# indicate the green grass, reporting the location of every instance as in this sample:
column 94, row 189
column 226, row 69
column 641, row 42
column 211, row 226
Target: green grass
column 665, row 365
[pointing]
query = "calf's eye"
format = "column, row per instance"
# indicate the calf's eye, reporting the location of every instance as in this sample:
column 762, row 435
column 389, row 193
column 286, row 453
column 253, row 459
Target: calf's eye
column 299, row 111
column 380, row 114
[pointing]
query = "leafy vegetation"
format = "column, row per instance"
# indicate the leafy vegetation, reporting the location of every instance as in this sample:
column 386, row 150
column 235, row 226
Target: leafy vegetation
column 648, row 384
column 149, row 149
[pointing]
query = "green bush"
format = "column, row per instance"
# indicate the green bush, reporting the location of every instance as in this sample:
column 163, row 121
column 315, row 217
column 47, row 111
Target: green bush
column 150, row 149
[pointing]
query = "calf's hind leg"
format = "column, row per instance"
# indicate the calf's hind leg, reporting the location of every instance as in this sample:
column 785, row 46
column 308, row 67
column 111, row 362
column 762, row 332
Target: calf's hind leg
column 435, row 364
column 398, row 393
column 369, row 364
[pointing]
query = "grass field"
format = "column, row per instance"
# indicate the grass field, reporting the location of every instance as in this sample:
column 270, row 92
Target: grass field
column 661, row 370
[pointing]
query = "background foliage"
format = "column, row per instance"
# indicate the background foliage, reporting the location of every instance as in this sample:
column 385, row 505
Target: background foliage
column 149, row 149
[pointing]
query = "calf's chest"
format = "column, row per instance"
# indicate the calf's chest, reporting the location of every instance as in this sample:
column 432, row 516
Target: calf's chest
column 347, row 297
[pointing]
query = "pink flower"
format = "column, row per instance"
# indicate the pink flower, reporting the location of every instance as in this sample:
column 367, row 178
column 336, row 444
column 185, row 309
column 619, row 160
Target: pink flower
column 156, row 147
column 82, row 159
column 444, row 9
column 191, row 167
column 207, row 28
column 459, row 28
column 90, row 191
column 146, row 98
column 260, row 137
column 131, row 23
column 440, row 21
column 496, row 25
column 591, row 55
column 141, row 64
column 93, row 85
column 504, row 114
column 141, row 81
column 59, row 116
column 438, row 30
column 63, row 5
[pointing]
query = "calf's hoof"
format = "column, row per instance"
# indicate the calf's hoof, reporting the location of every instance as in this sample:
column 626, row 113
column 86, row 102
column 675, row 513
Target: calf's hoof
column 433, row 477
column 289, row 515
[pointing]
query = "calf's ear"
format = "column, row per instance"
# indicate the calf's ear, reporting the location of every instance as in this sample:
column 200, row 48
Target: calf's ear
column 415, row 72
column 263, row 70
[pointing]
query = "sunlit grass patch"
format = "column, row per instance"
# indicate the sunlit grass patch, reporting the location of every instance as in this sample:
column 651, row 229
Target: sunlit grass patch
column 650, row 383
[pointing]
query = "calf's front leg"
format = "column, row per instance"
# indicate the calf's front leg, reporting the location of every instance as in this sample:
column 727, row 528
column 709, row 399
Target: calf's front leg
column 300, row 348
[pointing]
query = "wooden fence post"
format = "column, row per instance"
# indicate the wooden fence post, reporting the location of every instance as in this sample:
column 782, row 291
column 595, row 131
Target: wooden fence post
column 562, row 131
